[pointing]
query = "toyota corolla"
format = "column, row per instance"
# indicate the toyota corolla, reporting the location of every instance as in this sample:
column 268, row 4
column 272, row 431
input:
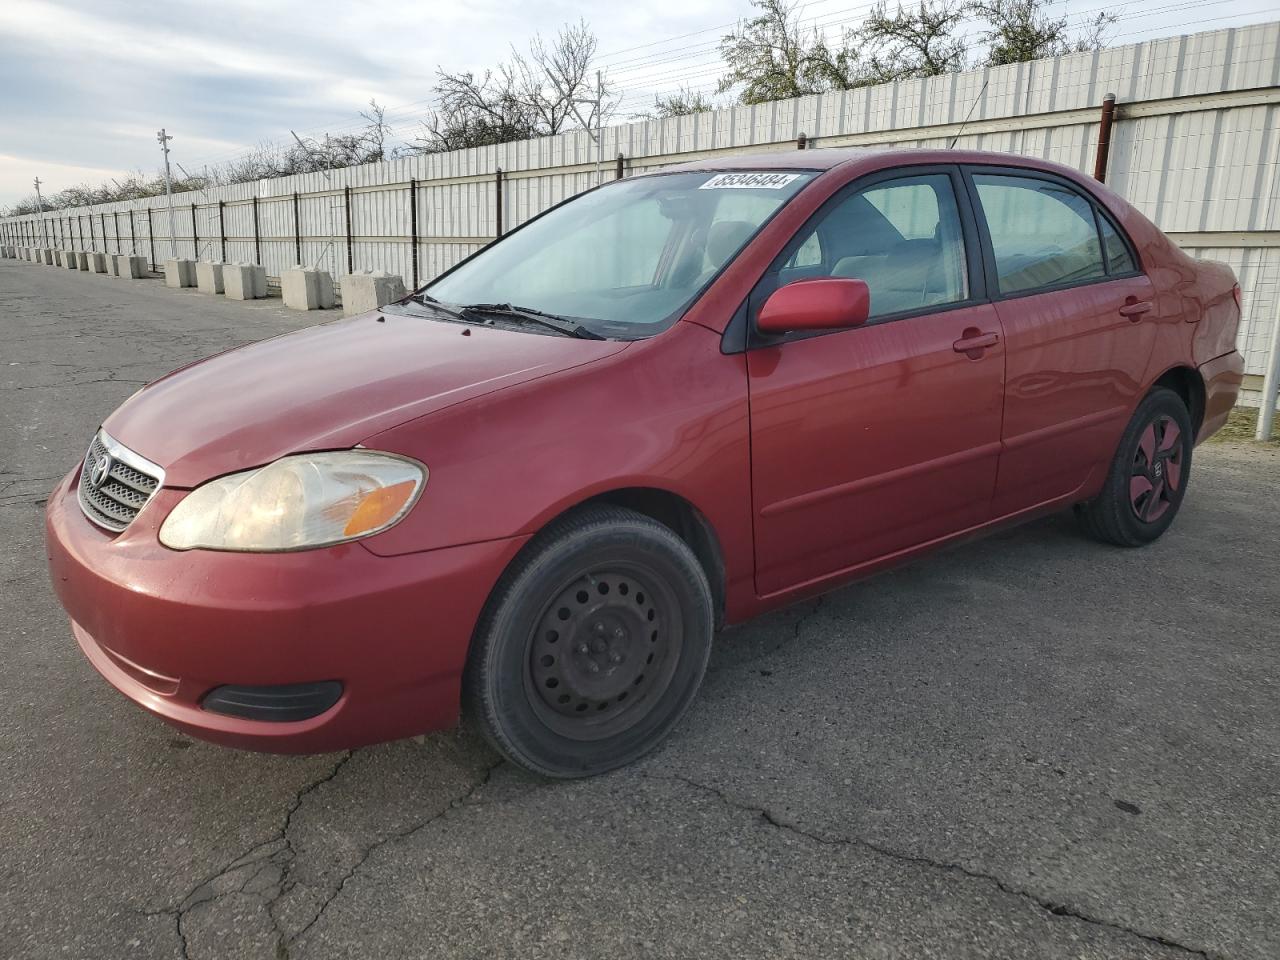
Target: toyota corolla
column 534, row 489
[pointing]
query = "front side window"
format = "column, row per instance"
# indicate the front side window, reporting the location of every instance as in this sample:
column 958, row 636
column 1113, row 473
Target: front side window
column 903, row 237
column 625, row 261
column 1043, row 234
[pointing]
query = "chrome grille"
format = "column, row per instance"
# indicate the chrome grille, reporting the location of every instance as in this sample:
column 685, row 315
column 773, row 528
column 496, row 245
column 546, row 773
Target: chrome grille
column 116, row 483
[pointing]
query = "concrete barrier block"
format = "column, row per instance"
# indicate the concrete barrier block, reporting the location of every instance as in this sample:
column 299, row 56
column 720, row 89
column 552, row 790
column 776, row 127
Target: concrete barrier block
column 244, row 281
column 110, row 262
column 305, row 289
column 362, row 292
column 82, row 259
column 50, row 257
column 96, row 262
column 179, row 272
column 209, row 276
column 71, row 260
column 129, row 268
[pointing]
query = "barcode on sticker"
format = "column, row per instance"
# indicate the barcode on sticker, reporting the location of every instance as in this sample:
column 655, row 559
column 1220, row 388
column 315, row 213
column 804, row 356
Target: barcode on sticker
column 749, row 181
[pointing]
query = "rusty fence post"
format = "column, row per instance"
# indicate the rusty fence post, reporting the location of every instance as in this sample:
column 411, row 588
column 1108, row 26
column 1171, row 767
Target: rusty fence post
column 297, row 228
column 1104, row 137
column 257, row 235
column 222, row 231
column 619, row 171
column 346, row 199
column 497, row 185
column 413, row 229
column 151, row 236
column 133, row 235
column 195, row 235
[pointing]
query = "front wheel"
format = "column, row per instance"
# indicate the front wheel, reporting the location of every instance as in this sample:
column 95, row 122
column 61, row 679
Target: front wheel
column 592, row 646
column 1148, row 477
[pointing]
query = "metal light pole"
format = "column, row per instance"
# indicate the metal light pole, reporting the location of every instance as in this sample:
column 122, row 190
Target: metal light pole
column 44, row 227
column 164, row 139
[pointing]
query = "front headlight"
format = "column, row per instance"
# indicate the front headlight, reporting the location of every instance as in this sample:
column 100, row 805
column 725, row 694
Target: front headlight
column 308, row 500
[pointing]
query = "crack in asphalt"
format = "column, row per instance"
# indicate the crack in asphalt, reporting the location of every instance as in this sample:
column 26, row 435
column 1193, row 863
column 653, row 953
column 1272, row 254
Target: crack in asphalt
column 798, row 626
column 276, row 854
column 452, row 805
column 203, row 891
column 1043, row 903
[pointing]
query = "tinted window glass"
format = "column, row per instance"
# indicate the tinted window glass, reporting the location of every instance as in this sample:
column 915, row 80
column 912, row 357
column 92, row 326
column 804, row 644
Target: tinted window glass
column 1042, row 234
column 1119, row 259
column 902, row 237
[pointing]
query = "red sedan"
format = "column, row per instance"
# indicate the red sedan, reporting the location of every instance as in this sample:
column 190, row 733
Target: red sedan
column 536, row 487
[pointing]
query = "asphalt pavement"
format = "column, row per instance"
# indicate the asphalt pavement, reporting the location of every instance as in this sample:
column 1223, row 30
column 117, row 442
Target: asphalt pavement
column 1026, row 746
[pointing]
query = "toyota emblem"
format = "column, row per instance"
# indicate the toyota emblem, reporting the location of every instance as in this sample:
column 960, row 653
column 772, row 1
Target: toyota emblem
column 101, row 470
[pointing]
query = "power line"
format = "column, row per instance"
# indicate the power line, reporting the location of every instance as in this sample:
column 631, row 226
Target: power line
column 644, row 75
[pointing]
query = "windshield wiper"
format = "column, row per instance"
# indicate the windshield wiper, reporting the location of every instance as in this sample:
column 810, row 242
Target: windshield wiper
column 530, row 315
column 427, row 300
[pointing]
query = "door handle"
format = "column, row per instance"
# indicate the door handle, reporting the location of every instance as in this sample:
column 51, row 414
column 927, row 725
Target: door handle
column 973, row 342
column 1134, row 309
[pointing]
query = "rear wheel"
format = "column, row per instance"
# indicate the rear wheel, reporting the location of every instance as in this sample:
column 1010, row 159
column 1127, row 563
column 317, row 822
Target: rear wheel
column 592, row 646
column 1148, row 477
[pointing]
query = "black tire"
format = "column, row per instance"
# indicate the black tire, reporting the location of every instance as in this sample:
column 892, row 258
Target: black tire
column 1151, row 455
column 602, row 586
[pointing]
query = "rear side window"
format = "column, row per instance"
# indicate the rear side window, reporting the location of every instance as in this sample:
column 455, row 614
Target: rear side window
column 1119, row 259
column 1043, row 234
column 903, row 237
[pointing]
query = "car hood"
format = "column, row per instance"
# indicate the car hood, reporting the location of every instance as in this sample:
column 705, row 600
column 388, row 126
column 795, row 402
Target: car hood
column 327, row 387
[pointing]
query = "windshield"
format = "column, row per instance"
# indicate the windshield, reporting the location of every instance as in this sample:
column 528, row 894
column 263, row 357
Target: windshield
column 625, row 260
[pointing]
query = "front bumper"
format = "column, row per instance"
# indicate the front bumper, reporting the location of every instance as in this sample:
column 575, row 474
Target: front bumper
column 165, row 627
column 1222, row 378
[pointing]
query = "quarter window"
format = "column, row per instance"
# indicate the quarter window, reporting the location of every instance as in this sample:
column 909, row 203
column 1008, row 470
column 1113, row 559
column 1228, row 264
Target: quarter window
column 1119, row 259
column 1043, row 234
column 903, row 237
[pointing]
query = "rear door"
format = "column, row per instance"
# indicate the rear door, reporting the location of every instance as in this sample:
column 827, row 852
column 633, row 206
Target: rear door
column 868, row 441
column 1079, row 328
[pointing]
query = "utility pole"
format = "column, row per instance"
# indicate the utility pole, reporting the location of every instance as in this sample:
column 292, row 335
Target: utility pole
column 164, row 139
column 44, row 228
column 599, row 128
column 331, row 248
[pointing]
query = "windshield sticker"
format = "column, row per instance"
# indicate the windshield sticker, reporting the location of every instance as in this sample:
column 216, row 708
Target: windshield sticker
column 749, row 181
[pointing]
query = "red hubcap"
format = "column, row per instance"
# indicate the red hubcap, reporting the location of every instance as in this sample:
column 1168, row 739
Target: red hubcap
column 1157, row 469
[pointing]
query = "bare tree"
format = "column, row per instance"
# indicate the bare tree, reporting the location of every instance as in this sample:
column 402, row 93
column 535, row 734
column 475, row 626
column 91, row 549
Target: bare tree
column 1021, row 30
column 914, row 41
column 547, row 91
column 376, row 133
column 771, row 56
column 681, row 103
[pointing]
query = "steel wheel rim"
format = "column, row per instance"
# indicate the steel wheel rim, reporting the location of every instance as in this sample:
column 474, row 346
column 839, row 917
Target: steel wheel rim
column 603, row 651
column 1155, row 479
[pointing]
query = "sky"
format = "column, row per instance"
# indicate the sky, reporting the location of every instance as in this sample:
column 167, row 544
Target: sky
column 84, row 86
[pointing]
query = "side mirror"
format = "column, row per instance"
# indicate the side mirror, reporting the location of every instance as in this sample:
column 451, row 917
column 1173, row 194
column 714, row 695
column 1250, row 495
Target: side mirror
column 829, row 303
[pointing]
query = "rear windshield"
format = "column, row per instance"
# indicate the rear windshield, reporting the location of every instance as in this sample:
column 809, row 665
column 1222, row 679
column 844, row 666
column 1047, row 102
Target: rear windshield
column 626, row 260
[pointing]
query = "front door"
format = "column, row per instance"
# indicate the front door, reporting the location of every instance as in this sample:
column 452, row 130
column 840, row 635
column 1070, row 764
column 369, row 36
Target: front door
column 867, row 442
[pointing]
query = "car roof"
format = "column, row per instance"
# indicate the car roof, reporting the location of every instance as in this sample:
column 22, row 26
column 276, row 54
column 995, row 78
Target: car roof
column 868, row 158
